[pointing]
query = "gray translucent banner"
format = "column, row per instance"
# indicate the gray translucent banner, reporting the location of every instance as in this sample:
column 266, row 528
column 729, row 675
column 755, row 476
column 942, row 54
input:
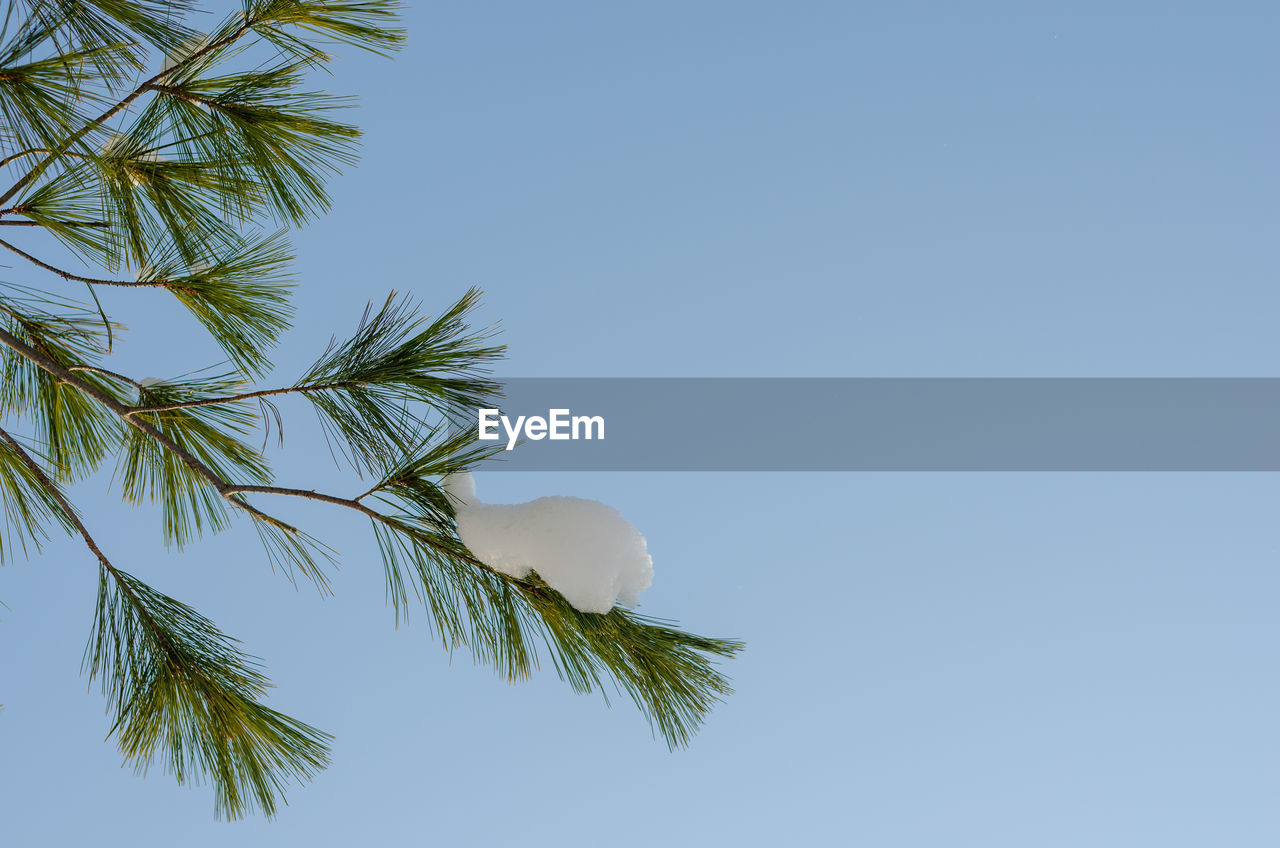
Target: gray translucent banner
column 818, row 424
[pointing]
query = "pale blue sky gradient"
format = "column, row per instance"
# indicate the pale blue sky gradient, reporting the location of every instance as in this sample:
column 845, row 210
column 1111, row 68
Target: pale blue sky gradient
column 768, row 189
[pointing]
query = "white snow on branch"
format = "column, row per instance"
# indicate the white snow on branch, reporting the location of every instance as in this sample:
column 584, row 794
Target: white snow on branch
column 583, row 549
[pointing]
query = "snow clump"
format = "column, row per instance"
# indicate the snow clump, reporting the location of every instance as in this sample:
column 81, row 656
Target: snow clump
column 583, row 549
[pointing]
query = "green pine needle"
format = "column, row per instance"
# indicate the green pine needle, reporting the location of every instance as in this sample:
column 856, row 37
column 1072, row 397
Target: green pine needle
column 241, row 297
column 28, row 508
column 292, row 550
column 361, row 387
column 183, row 692
column 140, row 144
column 76, row 433
column 149, row 472
column 669, row 674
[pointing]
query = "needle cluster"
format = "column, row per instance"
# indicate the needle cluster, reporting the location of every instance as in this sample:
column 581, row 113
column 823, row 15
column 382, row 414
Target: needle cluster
column 173, row 160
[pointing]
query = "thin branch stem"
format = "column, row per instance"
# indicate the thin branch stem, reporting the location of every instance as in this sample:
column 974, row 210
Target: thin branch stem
column 9, row 160
column 67, row 275
column 174, row 91
column 386, row 520
column 105, row 373
column 261, row 393
column 214, row 401
column 308, row 494
column 364, row 495
column 98, row 224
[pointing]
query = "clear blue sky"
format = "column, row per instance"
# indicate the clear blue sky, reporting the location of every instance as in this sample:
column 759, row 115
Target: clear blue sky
column 770, row 189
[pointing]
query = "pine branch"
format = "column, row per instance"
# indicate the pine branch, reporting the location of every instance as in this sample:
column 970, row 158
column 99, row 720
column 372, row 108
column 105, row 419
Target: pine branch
column 76, row 433
column 38, row 95
column 360, row 387
column 28, row 505
column 669, row 674
column 464, row 596
column 52, row 494
column 362, row 24
column 180, row 688
column 207, row 457
column 283, row 141
column 182, row 691
column 125, row 412
column 674, row 708
column 68, row 377
column 116, row 24
column 240, row 297
column 203, row 159
column 118, row 107
column 147, row 471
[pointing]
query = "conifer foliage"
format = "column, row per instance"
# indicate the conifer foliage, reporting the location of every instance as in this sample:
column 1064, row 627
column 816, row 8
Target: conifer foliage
column 163, row 157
